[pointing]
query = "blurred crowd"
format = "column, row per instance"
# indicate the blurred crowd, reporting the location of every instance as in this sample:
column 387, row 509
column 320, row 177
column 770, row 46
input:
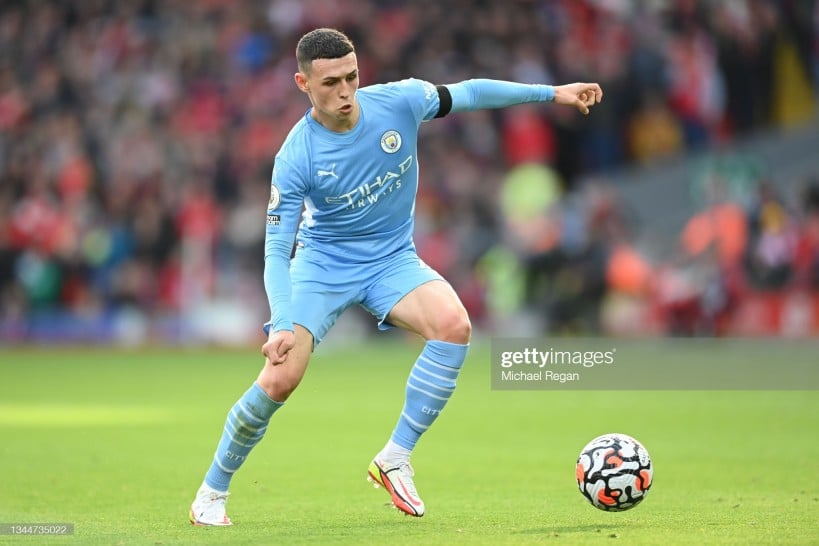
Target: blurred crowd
column 137, row 140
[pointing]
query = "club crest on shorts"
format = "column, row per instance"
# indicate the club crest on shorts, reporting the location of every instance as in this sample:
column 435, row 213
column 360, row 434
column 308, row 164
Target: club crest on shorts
column 391, row 142
column 275, row 198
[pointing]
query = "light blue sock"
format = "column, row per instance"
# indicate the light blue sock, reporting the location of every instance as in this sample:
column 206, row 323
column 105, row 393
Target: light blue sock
column 245, row 425
column 430, row 384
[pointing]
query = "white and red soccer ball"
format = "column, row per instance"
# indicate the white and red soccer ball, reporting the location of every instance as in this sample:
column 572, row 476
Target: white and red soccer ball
column 614, row 472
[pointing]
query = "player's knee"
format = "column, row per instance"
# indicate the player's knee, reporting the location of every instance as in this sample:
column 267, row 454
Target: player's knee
column 278, row 384
column 454, row 327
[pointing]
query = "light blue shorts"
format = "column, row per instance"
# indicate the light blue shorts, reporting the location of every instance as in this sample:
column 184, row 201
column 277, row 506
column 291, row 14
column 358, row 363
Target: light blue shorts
column 323, row 288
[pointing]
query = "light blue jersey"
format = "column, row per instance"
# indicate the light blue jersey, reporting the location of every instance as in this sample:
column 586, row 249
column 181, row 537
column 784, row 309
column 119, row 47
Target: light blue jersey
column 358, row 187
column 349, row 198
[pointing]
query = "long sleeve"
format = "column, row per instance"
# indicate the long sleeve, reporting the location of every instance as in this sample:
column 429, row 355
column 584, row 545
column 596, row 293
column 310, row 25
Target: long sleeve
column 287, row 191
column 277, row 280
column 478, row 94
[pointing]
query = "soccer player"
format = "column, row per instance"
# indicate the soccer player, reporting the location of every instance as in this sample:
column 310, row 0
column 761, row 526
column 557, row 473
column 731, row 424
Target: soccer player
column 350, row 164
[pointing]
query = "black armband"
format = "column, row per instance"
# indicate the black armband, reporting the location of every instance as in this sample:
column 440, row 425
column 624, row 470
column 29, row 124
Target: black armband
column 445, row 100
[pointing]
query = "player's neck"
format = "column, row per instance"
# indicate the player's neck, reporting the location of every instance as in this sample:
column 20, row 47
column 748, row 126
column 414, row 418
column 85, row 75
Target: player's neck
column 337, row 124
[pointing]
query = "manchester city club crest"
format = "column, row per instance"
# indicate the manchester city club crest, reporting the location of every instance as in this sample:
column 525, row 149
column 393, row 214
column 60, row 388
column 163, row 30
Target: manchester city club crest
column 391, row 142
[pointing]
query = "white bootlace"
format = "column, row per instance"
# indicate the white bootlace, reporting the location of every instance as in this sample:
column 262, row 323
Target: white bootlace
column 407, row 471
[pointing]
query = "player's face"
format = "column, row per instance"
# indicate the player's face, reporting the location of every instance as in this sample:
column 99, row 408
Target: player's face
column 331, row 85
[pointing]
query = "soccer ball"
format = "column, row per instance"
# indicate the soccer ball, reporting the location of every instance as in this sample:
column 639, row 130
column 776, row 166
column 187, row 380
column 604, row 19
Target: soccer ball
column 614, row 472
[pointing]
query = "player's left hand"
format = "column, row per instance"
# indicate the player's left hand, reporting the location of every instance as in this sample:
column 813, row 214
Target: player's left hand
column 580, row 95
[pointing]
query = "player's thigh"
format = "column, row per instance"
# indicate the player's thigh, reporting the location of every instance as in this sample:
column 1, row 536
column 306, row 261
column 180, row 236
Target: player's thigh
column 280, row 380
column 407, row 293
column 434, row 311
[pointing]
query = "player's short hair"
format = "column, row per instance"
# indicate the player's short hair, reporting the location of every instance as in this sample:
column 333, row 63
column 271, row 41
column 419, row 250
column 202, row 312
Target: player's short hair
column 322, row 43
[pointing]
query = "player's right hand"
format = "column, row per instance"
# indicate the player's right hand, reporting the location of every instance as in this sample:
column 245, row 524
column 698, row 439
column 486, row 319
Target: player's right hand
column 278, row 346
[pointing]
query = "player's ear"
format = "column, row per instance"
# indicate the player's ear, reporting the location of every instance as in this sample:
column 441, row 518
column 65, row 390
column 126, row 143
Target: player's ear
column 301, row 81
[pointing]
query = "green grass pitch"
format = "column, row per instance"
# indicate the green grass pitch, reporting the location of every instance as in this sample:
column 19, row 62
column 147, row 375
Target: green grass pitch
column 117, row 441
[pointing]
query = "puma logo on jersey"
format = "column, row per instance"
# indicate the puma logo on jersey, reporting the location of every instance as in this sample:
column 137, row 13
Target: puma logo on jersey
column 331, row 172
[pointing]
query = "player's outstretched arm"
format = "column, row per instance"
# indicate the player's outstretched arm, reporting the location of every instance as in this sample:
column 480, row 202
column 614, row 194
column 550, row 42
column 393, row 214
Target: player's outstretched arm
column 580, row 95
column 482, row 93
